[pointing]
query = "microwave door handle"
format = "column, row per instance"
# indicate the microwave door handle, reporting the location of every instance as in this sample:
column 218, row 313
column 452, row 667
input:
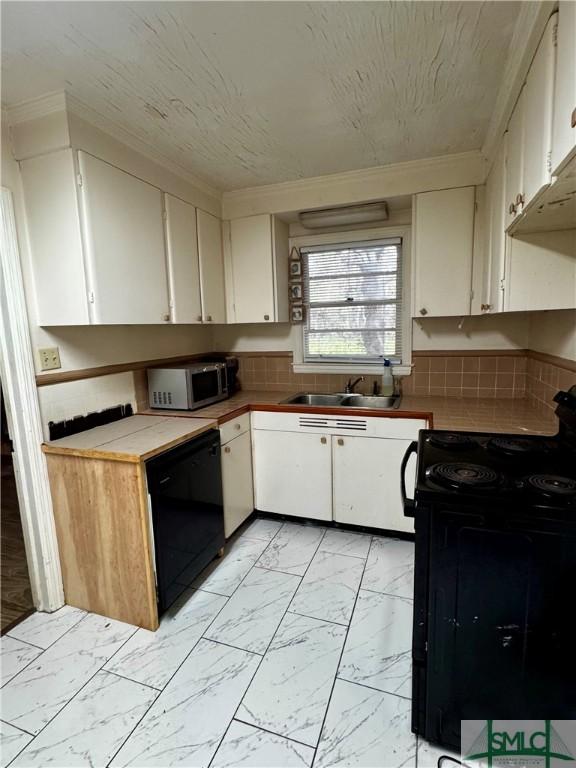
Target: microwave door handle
column 408, row 504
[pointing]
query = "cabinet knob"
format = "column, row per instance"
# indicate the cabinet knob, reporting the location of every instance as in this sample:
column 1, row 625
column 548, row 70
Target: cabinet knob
column 227, row 449
column 199, row 318
column 573, row 119
column 237, row 426
column 423, row 311
column 519, row 199
column 511, row 209
column 166, row 318
column 266, row 317
column 485, row 307
column 323, row 440
column 209, row 318
column 340, row 441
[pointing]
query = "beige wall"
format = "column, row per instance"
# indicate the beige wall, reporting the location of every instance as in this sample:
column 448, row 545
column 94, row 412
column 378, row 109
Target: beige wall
column 501, row 331
column 554, row 333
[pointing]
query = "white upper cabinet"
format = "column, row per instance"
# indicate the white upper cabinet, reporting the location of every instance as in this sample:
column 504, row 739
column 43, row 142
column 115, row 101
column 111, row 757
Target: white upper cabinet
column 564, row 119
column 495, row 236
column 443, row 248
column 259, row 261
column 51, row 202
column 515, row 163
column 211, row 268
column 183, row 267
column 538, row 100
column 124, row 245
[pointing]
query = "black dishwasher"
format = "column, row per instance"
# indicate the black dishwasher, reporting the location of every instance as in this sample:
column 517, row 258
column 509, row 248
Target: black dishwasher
column 185, row 488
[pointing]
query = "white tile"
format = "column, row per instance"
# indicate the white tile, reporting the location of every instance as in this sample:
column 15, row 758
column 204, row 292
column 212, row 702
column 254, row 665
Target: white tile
column 378, row 650
column 292, row 548
column 262, row 529
column 188, row 719
column 329, row 588
column 428, row 755
column 255, row 610
column 223, row 576
column 14, row 656
column 346, row 543
column 35, row 696
column 153, row 657
column 43, row 629
column 366, row 728
column 290, row 691
column 390, row 567
column 12, row 741
column 245, row 745
column 92, row 727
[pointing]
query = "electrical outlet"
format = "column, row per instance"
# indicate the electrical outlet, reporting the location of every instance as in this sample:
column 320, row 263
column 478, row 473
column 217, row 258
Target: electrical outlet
column 49, row 358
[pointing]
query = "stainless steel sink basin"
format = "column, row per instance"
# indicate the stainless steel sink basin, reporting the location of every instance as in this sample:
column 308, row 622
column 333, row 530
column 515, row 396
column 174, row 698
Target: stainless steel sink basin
column 345, row 401
column 313, row 399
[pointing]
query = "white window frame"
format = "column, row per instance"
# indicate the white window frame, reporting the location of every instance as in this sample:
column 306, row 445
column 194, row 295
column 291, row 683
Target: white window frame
column 403, row 369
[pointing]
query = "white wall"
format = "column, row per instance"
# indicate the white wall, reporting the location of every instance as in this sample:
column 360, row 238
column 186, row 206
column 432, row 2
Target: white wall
column 501, row 331
column 554, row 333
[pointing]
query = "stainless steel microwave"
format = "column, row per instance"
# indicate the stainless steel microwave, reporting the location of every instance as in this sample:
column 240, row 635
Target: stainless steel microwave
column 187, row 388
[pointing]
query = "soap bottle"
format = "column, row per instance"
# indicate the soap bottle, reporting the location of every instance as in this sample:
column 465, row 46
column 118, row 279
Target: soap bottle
column 387, row 380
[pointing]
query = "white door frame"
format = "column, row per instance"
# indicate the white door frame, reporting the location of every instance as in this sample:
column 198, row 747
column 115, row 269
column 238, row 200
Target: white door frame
column 24, row 421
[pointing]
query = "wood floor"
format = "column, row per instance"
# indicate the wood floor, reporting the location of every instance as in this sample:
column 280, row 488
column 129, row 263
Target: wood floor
column 15, row 584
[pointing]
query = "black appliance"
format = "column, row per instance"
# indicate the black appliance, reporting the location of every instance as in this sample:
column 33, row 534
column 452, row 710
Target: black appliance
column 494, row 633
column 185, row 488
column 231, row 374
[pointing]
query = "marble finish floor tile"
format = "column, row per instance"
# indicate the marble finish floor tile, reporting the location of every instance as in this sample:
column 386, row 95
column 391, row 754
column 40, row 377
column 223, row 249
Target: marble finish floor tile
column 153, row 657
column 262, row 529
column 12, row 741
column 390, row 567
column 14, row 656
column 366, row 728
column 43, row 629
column 223, row 576
column 378, row 650
column 185, row 724
column 245, row 745
column 292, row 548
column 35, row 696
column 290, row 691
column 92, row 726
column 427, row 755
column 346, row 543
column 253, row 613
column 328, row 590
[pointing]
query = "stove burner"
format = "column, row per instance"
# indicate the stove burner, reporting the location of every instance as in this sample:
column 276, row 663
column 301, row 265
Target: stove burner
column 515, row 446
column 450, row 440
column 472, row 476
column 552, row 485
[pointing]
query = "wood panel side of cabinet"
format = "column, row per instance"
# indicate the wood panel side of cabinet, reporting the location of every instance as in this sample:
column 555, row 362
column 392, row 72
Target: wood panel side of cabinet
column 102, row 524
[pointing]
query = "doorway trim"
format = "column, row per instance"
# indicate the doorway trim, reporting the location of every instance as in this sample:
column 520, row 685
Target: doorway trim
column 24, row 421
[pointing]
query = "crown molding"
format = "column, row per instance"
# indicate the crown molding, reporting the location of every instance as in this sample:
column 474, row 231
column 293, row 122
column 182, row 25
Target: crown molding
column 32, row 109
column 532, row 20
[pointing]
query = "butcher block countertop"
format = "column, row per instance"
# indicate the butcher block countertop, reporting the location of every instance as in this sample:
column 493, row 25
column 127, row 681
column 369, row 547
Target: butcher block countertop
column 134, row 439
column 518, row 416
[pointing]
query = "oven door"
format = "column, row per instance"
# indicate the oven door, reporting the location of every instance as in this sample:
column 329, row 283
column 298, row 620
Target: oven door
column 205, row 386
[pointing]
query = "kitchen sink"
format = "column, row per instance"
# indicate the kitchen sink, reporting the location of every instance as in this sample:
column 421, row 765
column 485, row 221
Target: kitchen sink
column 378, row 402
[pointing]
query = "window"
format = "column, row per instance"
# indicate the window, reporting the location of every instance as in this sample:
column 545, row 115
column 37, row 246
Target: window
column 353, row 302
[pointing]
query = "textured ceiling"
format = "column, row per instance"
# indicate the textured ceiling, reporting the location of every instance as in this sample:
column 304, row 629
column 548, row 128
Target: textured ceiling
column 243, row 94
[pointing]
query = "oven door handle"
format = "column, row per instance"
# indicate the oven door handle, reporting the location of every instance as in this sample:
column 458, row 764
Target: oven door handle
column 408, row 504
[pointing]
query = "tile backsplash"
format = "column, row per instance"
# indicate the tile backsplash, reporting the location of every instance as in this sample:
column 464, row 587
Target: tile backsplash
column 546, row 375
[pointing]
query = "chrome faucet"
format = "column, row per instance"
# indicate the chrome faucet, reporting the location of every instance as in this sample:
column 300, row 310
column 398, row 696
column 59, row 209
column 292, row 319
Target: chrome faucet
column 349, row 388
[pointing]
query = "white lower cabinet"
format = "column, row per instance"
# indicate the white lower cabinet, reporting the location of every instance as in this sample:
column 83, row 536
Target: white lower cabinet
column 237, row 485
column 293, row 474
column 366, row 478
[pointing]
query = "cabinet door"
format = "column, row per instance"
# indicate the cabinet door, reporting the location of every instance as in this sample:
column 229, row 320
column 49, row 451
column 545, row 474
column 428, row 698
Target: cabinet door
column 443, row 245
column 183, row 267
column 374, row 501
column 538, row 95
column 237, row 482
column 496, row 239
column 252, row 269
column 515, row 163
column 564, row 121
column 293, row 474
column 124, row 236
column 211, row 268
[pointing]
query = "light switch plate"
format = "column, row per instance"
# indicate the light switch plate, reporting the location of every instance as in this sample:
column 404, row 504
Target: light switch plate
column 49, row 358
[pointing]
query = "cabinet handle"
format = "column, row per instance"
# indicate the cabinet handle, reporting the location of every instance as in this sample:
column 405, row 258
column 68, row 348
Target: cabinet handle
column 519, row 199
column 573, row 119
column 227, row 449
column 511, row 209
column 423, row 311
column 340, row 441
column 266, row 317
column 209, row 318
column 323, row 440
column 166, row 318
column 485, row 307
column 199, row 318
column 237, row 426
